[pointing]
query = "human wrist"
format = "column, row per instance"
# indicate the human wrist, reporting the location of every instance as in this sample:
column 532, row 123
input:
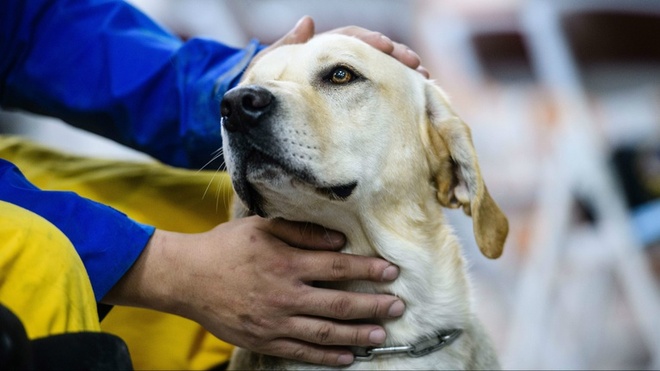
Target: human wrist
column 150, row 282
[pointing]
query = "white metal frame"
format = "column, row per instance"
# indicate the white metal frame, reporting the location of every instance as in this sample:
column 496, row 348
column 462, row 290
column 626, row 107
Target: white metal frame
column 577, row 167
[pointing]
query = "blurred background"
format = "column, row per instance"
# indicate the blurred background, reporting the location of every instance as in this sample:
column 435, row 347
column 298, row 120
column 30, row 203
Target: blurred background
column 563, row 98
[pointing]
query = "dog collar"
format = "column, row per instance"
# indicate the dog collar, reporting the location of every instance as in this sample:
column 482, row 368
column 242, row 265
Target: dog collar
column 420, row 348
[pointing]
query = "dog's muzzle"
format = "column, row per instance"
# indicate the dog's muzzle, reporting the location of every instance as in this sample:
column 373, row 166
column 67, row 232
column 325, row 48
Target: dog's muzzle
column 249, row 117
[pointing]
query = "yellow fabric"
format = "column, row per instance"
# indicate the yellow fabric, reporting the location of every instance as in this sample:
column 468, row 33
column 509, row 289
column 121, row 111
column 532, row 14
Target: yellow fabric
column 151, row 193
column 42, row 279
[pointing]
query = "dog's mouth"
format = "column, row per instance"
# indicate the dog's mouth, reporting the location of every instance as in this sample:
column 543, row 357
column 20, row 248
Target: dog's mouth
column 259, row 167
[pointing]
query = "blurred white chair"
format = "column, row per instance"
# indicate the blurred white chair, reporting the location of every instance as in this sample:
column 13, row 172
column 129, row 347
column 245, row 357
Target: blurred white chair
column 577, row 168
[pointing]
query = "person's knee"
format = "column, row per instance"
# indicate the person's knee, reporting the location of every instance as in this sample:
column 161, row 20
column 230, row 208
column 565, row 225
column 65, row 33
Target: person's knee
column 42, row 278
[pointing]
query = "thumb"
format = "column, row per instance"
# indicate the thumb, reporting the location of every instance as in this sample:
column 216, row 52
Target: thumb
column 305, row 235
column 301, row 32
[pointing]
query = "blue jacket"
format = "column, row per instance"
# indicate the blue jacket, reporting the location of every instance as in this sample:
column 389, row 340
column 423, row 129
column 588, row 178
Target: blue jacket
column 103, row 66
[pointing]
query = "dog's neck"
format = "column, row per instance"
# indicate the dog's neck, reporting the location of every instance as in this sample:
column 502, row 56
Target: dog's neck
column 432, row 280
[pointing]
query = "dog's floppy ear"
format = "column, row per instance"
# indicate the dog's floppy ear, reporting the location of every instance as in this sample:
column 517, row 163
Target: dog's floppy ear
column 457, row 176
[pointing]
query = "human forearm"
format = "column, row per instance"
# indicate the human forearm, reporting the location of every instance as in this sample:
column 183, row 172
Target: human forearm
column 106, row 67
column 150, row 282
column 245, row 283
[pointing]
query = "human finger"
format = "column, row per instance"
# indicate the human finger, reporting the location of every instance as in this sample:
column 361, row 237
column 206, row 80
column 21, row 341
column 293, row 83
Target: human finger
column 344, row 305
column 306, row 352
column 373, row 38
column 405, row 55
column 332, row 266
column 423, row 71
column 305, row 235
column 300, row 33
column 323, row 332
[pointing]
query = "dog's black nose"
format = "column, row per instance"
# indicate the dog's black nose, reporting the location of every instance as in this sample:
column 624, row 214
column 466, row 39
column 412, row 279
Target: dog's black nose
column 244, row 107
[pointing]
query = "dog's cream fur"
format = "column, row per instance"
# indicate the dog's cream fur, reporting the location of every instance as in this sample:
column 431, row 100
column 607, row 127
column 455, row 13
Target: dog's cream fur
column 393, row 133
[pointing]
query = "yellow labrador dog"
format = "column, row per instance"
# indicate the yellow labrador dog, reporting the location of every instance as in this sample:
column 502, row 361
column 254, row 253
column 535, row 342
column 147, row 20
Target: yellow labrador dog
column 339, row 134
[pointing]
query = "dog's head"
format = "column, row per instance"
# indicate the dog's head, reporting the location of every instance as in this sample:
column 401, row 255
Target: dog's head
column 336, row 124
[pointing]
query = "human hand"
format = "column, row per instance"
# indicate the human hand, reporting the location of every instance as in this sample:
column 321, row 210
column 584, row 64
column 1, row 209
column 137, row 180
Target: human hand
column 248, row 282
column 304, row 30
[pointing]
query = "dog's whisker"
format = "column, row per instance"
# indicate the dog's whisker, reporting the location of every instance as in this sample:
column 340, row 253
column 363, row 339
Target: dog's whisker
column 218, row 153
column 226, row 199
column 209, row 185
column 217, row 195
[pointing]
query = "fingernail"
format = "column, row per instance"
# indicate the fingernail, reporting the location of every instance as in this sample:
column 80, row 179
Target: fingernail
column 390, row 273
column 300, row 21
column 334, row 238
column 411, row 52
column 386, row 39
column 345, row 359
column 296, row 29
column 396, row 309
column 377, row 337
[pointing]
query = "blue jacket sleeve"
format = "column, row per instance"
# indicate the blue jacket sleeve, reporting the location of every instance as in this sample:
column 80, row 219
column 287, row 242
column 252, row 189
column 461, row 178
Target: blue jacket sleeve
column 107, row 241
column 104, row 66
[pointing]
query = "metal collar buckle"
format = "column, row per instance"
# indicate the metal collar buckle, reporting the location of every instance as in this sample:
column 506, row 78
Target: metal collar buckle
column 418, row 349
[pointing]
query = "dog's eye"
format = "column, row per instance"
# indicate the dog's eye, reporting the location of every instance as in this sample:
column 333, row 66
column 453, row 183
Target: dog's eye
column 341, row 75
